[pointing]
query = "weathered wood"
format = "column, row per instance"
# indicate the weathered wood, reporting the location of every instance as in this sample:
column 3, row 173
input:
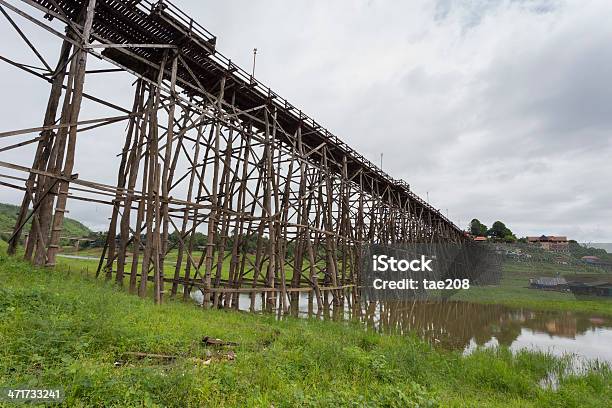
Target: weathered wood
column 141, row 355
column 151, row 252
column 53, row 167
column 212, row 218
column 75, row 107
column 121, row 180
column 271, row 191
column 210, row 341
column 44, row 145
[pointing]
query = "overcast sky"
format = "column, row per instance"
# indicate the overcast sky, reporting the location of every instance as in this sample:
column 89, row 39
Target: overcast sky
column 495, row 109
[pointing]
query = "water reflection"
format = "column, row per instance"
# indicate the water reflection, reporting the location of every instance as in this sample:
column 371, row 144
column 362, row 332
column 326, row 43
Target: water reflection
column 595, row 343
column 463, row 325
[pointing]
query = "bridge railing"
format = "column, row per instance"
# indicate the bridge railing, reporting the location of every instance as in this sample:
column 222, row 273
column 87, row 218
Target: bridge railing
column 180, row 15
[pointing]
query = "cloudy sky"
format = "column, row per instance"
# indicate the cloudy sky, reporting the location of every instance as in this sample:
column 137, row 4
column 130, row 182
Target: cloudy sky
column 493, row 109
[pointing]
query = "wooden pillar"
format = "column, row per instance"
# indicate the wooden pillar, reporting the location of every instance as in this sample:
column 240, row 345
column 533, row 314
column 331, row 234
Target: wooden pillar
column 151, row 253
column 132, row 174
column 43, row 151
column 121, row 180
column 235, row 273
column 186, row 211
column 166, row 180
column 269, row 212
column 212, row 218
column 77, row 96
column 140, row 214
column 48, row 186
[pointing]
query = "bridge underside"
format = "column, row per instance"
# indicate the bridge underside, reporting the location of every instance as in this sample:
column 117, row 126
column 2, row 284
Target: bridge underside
column 222, row 184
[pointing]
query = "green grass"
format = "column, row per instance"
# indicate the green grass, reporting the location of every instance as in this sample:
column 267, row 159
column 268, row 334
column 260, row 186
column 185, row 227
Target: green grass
column 169, row 263
column 62, row 329
column 168, row 267
column 513, row 290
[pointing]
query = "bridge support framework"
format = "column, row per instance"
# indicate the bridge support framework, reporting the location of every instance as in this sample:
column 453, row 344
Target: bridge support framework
column 222, row 184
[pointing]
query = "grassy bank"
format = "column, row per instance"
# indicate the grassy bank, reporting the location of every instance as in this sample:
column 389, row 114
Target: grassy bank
column 59, row 328
column 513, row 291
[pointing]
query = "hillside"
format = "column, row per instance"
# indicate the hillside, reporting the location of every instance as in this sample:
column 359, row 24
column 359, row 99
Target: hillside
column 8, row 215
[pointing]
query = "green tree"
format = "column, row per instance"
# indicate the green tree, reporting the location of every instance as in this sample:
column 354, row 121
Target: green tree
column 510, row 239
column 499, row 230
column 477, row 228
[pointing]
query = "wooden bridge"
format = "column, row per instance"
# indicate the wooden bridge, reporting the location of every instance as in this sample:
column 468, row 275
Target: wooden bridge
column 285, row 205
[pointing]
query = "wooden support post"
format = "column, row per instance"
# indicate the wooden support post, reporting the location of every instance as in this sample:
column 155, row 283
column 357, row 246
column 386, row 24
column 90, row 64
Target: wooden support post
column 121, row 180
column 47, row 185
column 269, row 212
column 166, row 181
column 77, row 96
column 186, row 211
column 153, row 218
column 235, row 273
column 43, row 149
column 214, row 211
column 132, row 166
column 225, row 195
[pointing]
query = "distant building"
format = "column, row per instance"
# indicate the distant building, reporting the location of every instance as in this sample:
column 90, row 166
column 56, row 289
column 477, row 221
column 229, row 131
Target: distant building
column 480, row 239
column 550, row 242
column 550, row 283
column 591, row 259
column 591, row 285
column 591, row 289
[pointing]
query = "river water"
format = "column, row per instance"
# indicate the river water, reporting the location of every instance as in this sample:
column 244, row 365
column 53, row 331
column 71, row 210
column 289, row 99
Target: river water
column 464, row 326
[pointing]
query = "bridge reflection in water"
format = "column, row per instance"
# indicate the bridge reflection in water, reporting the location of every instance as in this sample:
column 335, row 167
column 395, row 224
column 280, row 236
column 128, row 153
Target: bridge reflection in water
column 464, row 326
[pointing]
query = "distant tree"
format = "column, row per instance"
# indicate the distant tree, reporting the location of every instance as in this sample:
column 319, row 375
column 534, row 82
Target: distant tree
column 98, row 240
column 578, row 251
column 499, row 230
column 477, row 228
column 510, row 239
